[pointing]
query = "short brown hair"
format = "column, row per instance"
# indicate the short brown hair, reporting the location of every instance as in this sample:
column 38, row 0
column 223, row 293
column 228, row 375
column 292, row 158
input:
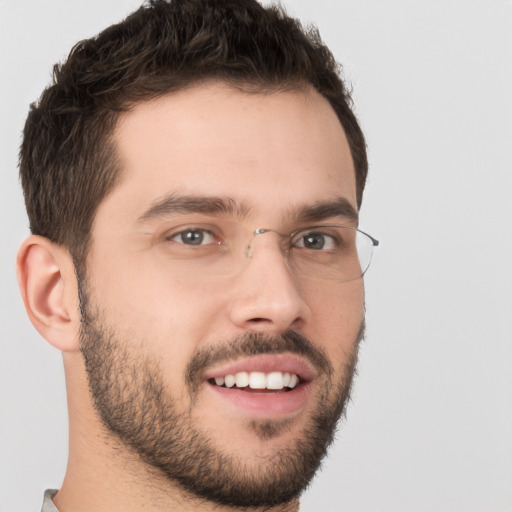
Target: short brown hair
column 67, row 161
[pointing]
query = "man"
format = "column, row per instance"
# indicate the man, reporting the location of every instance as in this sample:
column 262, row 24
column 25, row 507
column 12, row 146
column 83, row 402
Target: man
column 193, row 178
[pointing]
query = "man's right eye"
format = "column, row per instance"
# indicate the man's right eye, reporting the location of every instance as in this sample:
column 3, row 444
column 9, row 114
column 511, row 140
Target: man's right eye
column 193, row 236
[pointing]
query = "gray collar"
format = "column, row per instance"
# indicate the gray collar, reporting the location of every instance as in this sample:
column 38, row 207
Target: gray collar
column 48, row 505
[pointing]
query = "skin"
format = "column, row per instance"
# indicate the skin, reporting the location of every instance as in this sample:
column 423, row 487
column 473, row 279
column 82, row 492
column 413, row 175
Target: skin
column 273, row 153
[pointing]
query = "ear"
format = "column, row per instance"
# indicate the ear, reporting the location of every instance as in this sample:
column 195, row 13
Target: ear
column 46, row 277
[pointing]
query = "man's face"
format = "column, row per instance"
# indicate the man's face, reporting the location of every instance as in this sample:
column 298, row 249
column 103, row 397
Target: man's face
column 166, row 322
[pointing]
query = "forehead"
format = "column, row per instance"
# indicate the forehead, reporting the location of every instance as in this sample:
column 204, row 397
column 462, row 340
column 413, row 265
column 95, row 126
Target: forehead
column 271, row 152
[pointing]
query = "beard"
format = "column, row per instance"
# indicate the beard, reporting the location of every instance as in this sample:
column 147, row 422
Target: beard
column 137, row 408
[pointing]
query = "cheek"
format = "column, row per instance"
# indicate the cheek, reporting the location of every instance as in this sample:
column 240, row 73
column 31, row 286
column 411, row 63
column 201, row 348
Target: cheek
column 337, row 315
column 149, row 311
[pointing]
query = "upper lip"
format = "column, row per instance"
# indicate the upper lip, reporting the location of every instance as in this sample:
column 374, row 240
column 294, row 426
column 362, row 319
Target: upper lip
column 266, row 363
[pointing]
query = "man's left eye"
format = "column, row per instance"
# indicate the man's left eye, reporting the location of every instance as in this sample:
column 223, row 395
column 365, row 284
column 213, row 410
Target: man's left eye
column 316, row 241
column 194, row 237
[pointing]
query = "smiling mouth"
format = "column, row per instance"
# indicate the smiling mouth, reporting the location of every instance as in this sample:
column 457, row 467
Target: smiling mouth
column 261, row 382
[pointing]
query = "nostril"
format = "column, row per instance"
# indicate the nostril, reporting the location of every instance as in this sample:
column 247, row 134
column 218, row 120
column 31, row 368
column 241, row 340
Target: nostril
column 261, row 322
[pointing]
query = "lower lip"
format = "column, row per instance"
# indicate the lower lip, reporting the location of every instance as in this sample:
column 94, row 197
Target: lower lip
column 264, row 405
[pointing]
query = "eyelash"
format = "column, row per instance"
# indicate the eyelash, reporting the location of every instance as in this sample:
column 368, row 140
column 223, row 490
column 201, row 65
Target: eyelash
column 203, row 232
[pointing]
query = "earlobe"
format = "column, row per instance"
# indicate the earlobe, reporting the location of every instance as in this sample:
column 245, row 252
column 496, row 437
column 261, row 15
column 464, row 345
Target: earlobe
column 47, row 283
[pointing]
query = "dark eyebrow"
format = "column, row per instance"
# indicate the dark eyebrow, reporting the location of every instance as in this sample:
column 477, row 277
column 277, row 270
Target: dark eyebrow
column 176, row 204
column 339, row 207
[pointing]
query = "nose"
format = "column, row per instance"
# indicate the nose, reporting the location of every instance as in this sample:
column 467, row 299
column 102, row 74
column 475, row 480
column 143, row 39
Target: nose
column 267, row 297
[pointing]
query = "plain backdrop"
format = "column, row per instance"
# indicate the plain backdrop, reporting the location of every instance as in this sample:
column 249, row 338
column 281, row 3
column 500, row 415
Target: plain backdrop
column 430, row 425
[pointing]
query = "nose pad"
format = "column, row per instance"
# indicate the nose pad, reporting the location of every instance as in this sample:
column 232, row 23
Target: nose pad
column 268, row 298
column 249, row 248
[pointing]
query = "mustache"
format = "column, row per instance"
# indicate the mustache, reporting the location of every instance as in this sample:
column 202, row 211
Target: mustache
column 254, row 344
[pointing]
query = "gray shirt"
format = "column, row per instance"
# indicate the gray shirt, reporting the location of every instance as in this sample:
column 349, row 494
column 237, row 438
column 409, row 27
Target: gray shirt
column 48, row 505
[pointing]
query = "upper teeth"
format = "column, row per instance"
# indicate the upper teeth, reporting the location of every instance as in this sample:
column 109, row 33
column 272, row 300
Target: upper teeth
column 258, row 380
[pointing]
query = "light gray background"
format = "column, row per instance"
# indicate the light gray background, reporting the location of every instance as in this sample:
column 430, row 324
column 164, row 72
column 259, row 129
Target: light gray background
column 430, row 426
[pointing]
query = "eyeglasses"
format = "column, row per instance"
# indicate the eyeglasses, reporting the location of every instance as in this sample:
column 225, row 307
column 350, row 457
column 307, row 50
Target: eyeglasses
column 219, row 248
